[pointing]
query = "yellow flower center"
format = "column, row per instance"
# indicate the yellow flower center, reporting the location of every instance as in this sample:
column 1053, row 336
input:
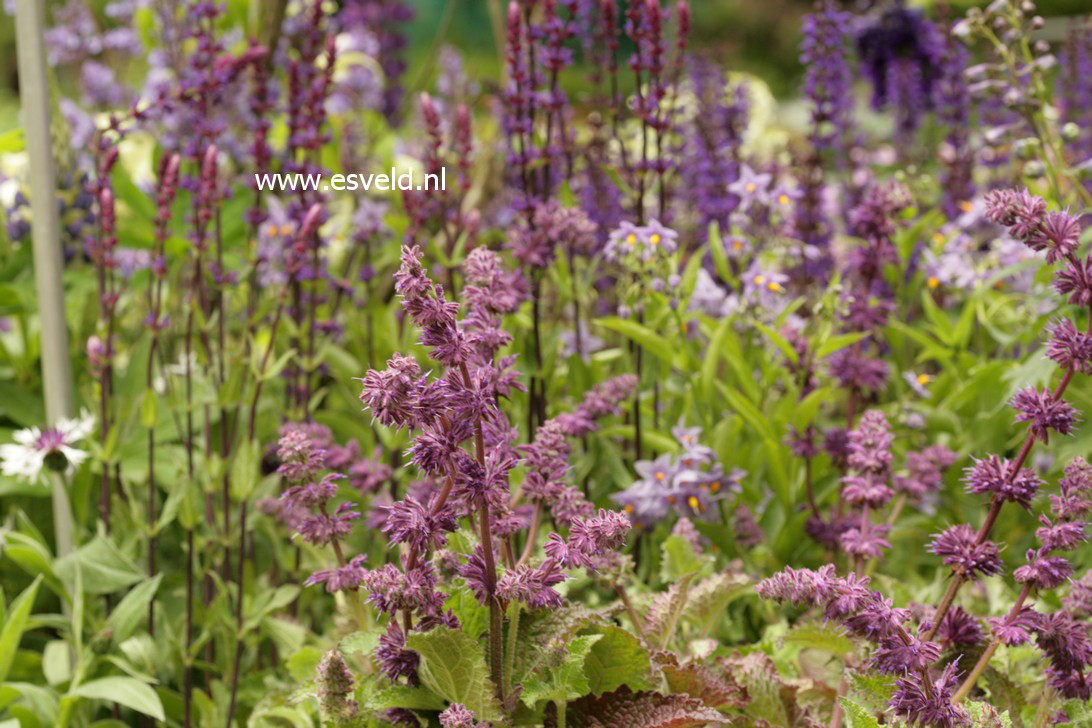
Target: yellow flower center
column 629, row 508
column 750, row 186
column 760, row 279
column 631, row 239
column 286, row 230
column 272, row 229
column 694, row 503
column 938, row 238
column 783, row 198
column 686, row 439
column 966, row 206
column 933, row 282
column 671, row 499
column 686, row 327
column 655, row 239
column 714, row 487
column 660, row 475
column 737, row 244
column 774, row 286
column 923, row 379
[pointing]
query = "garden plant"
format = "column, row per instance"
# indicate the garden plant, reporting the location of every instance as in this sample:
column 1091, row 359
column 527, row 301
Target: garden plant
column 663, row 394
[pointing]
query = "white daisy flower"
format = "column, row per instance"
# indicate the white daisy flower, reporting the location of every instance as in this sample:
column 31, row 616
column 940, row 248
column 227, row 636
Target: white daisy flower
column 54, row 448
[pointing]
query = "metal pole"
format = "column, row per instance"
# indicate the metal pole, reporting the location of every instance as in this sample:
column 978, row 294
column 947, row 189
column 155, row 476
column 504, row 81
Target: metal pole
column 34, row 97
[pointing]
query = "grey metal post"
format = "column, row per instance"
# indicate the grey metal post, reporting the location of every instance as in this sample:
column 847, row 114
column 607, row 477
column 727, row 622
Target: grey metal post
column 34, row 97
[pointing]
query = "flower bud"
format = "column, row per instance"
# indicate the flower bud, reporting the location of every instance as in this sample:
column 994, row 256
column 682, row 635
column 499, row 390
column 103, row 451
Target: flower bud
column 1034, row 169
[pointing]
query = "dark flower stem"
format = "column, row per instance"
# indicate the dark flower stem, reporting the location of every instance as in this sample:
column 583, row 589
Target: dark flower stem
column 972, row 677
column 959, row 578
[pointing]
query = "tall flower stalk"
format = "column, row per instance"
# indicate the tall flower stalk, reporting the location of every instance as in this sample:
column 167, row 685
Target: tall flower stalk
column 1045, row 411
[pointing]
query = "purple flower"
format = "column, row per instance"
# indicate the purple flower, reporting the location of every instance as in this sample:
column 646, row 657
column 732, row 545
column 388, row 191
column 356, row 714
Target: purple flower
column 458, row 715
column 1075, row 281
column 800, row 586
column 870, row 444
column 993, row 475
column 914, row 655
column 929, row 704
column 1060, row 535
column 343, row 578
column 1070, row 348
column 391, row 394
column 959, row 629
column 853, row 369
column 1079, row 599
column 1043, row 412
column 1014, row 629
column 901, row 54
column 958, row 548
column 300, row 458
column 867, row 543
column 394, row 659
column 532, row 585
column 409, row 521
column 322, row 529
column 1042, row 571
column 603, row 532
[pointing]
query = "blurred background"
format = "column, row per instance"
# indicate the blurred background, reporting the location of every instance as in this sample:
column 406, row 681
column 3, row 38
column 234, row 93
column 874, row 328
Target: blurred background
column 755, row 36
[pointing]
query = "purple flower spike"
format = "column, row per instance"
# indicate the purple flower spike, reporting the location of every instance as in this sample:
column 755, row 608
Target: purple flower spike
column 1043, row 412
column 992, row 475
column 957, row 547
column 932, row 705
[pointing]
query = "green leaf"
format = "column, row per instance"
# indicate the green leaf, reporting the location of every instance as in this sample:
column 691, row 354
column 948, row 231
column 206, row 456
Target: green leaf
column 642, row 335
column 104, row 568
column 780, row 341
column 820, row 636
column 709, row 598
column 132, row 609
column 404, row 696
column 302, row 665
column 678, row 560
column 148, row 408
column 453, row 667
column 359, row 643
column 245, row 470
column 125, row 691
column 841, row 341
column 15, row 625
column 56, row 664
column 617, row 659
column 473, row 616
column 856, row 716
column 665, row 610
column 720, row 256
column 566, row 681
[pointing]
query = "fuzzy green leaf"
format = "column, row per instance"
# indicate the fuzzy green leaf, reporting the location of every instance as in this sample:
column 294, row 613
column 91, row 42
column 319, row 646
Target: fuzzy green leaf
column 857, row 716
column 453, row 667
column 615, row 660
column 565, row 681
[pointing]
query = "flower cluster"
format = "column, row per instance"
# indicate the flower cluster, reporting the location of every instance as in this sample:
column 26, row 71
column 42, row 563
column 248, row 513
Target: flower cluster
column 689, row 484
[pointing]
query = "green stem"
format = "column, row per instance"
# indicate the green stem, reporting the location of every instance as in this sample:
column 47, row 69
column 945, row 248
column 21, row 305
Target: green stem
column 514, row 610
column 561, row 705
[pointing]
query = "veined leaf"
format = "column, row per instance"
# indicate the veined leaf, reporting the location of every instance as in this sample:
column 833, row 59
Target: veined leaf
column 453, row 667
column 126, row 691
column 615, row 660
